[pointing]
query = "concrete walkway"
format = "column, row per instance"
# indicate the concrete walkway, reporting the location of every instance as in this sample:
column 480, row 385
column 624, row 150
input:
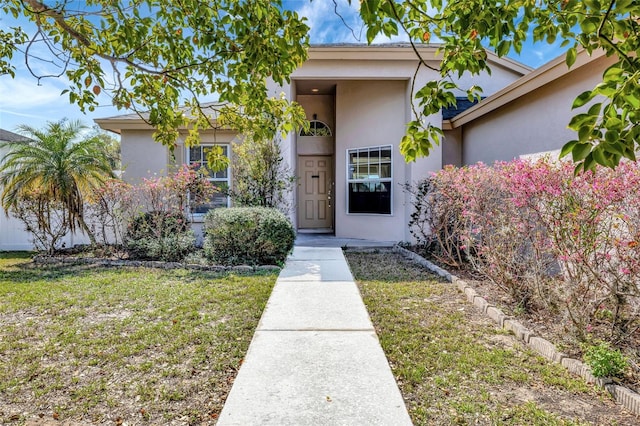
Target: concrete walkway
column 315, row 358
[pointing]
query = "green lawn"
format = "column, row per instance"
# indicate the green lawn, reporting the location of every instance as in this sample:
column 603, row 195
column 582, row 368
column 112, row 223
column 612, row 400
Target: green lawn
column 122, row 345
column 454, row 366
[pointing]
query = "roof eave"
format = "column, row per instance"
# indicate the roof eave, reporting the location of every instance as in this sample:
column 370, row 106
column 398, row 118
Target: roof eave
column 549, row 72
column 399, row 52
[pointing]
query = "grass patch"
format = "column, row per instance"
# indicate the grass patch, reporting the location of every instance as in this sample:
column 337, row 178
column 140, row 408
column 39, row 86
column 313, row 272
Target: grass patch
column 94, row 344
column 11, row 258
column 454, row 366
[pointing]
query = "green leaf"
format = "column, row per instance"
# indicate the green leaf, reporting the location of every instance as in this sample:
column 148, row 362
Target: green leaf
column 571, row 57
column 600, row 158
column 583, row 98
column 503, row 48
column 593, row 4
column 567, row 148
column 584, row 132
column 611, row 136
column 595, row 109
column 589, row 163
column 580, row 151
column 590, row 25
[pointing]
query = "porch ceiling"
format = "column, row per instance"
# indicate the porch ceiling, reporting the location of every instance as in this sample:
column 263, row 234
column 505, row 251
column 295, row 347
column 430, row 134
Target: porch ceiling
column 315, row 87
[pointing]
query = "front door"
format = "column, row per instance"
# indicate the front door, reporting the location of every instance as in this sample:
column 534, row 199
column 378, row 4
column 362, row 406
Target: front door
column 315, row 209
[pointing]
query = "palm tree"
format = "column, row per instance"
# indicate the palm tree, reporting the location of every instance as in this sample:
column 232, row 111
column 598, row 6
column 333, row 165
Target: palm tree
column 59, row 165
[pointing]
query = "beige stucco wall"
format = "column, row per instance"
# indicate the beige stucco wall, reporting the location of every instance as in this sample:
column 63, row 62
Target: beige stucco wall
column 321, row 105
column 452, row 147
column 370, row 113
column 142, row 157
column 533, row 123
column 500, row 77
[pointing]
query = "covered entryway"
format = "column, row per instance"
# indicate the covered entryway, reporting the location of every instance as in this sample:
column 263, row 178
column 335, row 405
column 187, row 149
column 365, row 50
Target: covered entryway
column 315, row 206
column 315, row 149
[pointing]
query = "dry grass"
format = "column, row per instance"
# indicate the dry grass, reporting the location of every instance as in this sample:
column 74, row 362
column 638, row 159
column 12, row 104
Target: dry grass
column 85, row 345
column 454, row 366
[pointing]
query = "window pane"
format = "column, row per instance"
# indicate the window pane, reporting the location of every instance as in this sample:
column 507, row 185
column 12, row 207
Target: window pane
column 362, row 171
column 220, row 175
column 385, row 155
column 216, row 201
column 385, row 171
column 353, row 159
column 195, row 154
column 316, row 128
column 370, row 198
column 219, row 199
column 374, row 171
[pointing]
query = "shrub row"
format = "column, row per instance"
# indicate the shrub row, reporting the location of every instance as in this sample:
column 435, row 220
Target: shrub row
column 233, row 236
column 567, row 243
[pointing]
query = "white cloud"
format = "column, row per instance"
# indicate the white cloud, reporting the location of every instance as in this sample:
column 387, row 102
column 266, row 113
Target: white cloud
column 402, row 37
column 326, row 21
column 23, row 93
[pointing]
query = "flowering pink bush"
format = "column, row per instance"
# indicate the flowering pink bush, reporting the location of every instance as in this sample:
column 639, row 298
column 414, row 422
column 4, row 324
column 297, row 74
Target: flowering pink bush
column 551, row 238
column 176, row 192
column 117, row 204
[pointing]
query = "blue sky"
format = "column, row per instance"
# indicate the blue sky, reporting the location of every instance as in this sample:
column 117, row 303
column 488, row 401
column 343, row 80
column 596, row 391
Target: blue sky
column 25, row 100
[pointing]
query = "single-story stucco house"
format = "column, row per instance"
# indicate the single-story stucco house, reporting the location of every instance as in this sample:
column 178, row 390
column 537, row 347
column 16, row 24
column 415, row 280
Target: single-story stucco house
column 350, row 171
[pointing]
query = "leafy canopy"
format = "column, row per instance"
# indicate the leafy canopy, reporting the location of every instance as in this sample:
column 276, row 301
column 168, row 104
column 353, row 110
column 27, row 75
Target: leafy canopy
column 159, row 57
column 607, row 131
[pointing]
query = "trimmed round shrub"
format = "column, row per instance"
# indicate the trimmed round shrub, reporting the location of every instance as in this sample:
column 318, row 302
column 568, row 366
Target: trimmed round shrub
column 159, row 235
column 247, row 235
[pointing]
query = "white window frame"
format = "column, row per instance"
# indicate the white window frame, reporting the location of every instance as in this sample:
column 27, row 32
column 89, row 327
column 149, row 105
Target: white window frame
column 213, row 180
column 369, row 180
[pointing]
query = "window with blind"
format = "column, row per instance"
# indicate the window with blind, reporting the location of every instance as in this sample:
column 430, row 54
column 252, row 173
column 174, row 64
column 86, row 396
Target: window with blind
column 369, row 180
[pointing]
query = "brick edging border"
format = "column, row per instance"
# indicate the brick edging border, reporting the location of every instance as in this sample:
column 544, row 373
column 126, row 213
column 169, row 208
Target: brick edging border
column 57, row 260
column 622, row 395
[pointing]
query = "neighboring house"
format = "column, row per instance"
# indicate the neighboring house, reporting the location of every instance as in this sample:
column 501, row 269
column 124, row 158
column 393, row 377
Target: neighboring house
column 12, row 233
column 349, row 167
